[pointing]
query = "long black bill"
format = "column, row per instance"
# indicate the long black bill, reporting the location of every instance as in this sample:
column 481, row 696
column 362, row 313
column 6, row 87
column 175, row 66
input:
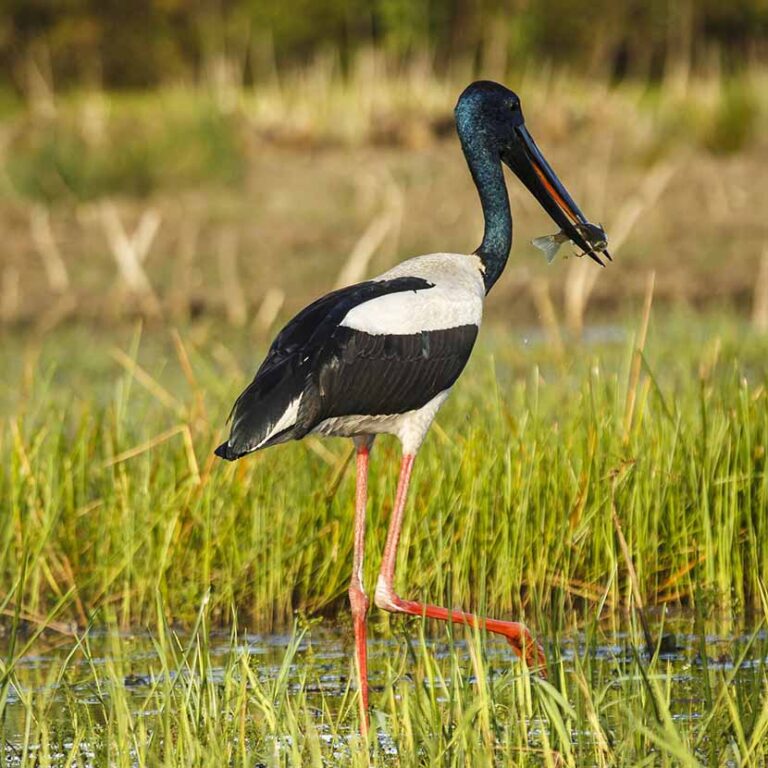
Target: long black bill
column 530, row 166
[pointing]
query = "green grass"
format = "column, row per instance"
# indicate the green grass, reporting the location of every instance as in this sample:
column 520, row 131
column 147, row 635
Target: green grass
column 116, row 515
column 101, row 146
column 208, row 701
column 112, row 489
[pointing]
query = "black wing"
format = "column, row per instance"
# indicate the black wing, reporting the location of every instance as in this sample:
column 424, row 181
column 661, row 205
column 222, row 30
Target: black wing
column 298, row 352
column 371, row 374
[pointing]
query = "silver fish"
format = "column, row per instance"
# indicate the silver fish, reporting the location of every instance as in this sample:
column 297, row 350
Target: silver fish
column 592, row 233
column 550, row 244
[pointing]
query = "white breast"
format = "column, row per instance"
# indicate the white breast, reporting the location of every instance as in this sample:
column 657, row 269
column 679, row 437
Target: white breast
column 455, row 299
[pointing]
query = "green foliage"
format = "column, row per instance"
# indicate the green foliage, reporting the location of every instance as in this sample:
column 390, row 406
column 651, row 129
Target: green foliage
column 138, row 151
column 734, row 122
column 151, row 42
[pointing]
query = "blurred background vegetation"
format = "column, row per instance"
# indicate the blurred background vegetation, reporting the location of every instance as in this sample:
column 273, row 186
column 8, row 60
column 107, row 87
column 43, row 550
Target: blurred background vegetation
column 149, row 42
column 236, row 157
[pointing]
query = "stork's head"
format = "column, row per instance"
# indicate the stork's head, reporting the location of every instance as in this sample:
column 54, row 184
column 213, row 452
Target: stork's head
column 489, row 118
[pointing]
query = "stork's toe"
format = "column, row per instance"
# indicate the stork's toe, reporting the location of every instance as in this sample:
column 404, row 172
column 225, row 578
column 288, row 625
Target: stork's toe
column 526, row 647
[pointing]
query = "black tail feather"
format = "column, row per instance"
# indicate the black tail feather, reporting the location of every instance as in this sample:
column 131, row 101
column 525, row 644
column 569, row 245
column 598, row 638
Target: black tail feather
column 260, row 407
column 224, row 451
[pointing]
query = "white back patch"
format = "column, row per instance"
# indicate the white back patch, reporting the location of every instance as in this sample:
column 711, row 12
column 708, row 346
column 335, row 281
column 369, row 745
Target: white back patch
column 455, row 298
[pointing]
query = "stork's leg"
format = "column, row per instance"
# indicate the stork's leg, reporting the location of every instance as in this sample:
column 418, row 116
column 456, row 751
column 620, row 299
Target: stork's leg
column 387, row 599
column 358, row 600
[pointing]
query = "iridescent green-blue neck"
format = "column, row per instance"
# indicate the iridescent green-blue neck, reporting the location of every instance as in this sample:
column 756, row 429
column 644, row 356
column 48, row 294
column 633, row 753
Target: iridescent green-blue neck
column 482, row 155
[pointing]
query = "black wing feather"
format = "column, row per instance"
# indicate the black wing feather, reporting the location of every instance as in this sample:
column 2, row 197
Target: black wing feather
column 367, row 374
column 297, row 352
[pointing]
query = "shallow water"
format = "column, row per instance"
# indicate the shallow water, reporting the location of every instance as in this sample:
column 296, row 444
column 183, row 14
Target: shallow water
column 321, row 667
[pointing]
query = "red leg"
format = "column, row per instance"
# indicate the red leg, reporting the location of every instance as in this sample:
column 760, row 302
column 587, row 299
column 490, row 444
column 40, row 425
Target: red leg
column 357, row 597
column 387, row 599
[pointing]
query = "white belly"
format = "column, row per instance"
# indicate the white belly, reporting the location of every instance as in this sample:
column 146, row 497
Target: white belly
column 410, row 427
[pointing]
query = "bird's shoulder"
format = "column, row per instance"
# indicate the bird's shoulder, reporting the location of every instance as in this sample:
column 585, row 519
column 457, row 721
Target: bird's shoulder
column 455, row 299
column 315, row 324
column 437, row 291
column 448, row 271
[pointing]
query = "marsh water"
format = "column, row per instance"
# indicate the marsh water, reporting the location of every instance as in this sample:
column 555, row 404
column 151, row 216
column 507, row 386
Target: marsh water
column 71, row 675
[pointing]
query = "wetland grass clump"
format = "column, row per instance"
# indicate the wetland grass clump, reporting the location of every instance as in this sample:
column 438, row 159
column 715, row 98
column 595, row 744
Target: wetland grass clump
column 134, row 550
column 111, row 490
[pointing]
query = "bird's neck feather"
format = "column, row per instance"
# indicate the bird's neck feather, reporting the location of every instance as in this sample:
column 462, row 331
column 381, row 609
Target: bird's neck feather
column 485, row 166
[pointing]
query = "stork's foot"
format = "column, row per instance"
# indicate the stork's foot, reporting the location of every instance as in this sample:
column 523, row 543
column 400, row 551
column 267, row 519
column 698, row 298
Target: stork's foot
column 527, row 648
column 517, row 634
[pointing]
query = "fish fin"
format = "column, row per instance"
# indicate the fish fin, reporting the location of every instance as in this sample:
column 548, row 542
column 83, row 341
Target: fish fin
column 550, row 244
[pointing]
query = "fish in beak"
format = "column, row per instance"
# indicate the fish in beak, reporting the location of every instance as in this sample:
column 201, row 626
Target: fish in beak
column 529, row 165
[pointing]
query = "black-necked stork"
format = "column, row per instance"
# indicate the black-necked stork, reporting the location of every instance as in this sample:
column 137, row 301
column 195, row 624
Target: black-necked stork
column 380, row 357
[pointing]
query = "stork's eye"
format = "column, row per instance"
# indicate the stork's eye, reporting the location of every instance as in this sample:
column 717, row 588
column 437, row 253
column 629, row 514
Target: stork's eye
column 514, row 106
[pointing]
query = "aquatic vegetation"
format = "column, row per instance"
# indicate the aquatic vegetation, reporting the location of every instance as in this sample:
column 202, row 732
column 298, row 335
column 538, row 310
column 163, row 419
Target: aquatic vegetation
column 169, row 698
column 540, row 469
